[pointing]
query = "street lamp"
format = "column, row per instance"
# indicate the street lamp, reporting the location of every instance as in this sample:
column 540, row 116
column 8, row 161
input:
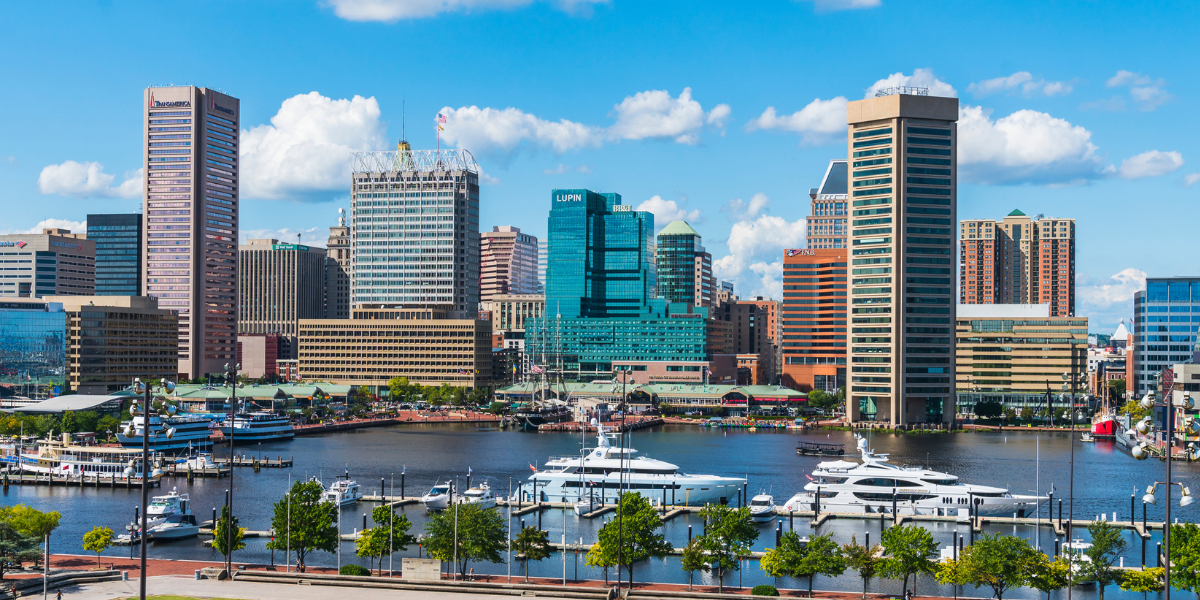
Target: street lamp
column 1141, row 451
column 1072, row 379
column 148, row 407
column 231, row 374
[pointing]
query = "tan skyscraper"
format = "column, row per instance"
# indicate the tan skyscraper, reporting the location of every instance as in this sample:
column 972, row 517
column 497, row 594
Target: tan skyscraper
column 903, row 174
column 278, row 284
column 1019, row 260
column 337, row 270
column 190, row 207
column 507, row 262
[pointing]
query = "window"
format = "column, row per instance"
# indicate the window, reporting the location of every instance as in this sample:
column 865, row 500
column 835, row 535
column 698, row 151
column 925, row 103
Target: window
column 929, row 131
column 868, row 143
column 871, row 132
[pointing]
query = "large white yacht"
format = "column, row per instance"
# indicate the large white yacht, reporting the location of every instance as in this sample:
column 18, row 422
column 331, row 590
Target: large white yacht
column 605, row 471
column 258, row 427
column 870, row 487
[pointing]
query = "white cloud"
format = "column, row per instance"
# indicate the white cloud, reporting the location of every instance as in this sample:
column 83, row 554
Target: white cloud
column 73, row 226
column 831, row 5
column 561, row 168
column 652, row 114
column 666, row 211
column 391, row 11
column 1147, row 93
column 1118, row 289
column 770, row 280
column 306, row 148
column 820, row 121
column 741, row 210
column 1025, row 147
column 1190, row 179
column 87, row 180
column 1022, row 81
column 754, row 246
column 1150, row 164
column 313, row 236
column 920, row 78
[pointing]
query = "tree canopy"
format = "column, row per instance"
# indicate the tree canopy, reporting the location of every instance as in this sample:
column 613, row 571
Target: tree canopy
column 910, row 551
column 98, row 540
column 634, row 534
column 1185, row 557
column 862, row 559
column 389, row 535
column 729, row 534
column 304, row 522
column 1108, row 543
column 533, row 544
column 795, row 558
column 221, row 530
column 1000, row 562
column 481, row 535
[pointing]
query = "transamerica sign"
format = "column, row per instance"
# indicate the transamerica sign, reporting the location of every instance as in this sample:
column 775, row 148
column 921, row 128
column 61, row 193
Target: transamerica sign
column 159, row 104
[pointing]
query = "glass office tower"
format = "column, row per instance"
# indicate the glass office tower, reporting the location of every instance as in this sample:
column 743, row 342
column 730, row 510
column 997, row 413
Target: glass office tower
column 118, row 253
column 33, row 357
column 1165, row 321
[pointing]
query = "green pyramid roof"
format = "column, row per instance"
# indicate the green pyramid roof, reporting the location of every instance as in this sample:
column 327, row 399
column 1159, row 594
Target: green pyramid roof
column 678, row 228
column 1016, row 213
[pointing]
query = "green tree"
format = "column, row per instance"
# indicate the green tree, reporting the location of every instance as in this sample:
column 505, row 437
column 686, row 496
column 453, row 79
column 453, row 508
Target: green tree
column 98, row 540
column 1108, row 544
column 910, row 552
column 381, row 541
column 532, row 544
column 863, row 560
column 729, row 536
column 44, row 424
column 695, row 559
column 303, row 521
column 597, row 556
column 823, row 400
column 1000, row 562
column 221, row 530
column 108, row 426
column 634, row 534
column 1144, row 580
column 1116, row 388
column 69, row 424
column 989, row 409
column 794, row 558
column 399, row 388
column 33, row 523
column 87, row 420
column 1050, row 575
column 16, row 547
column 1185, row 557
column 481, row 535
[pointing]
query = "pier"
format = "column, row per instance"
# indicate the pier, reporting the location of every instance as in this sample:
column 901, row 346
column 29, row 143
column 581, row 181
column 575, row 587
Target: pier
column 51, row 480
column 628, row 425
column 401, row 418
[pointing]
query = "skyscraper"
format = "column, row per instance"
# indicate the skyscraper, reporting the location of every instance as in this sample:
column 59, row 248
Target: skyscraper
column 1019, row 260
column 337, row 270
column 119, row 242
column 543, row 257
column 1166, row 316
column 814, row 319
column 414, row 230
column 507, row 263
column 190, row 219
column 827, row 217
column 278, row 285
column 684, row 267
column 902, row 146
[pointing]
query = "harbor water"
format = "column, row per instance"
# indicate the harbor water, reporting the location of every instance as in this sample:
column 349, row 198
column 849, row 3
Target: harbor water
column 1024, row 462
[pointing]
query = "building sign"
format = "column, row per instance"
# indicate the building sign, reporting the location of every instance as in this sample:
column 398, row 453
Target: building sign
column 8, row 243
column 568, row 197
column 159, row 104
column 212, row 104
column 622, row 208
column 801, row 251
column 66, row 245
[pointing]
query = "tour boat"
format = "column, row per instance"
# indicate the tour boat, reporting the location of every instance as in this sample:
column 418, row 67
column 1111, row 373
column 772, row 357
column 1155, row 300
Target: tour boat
column 258, row 427
column 607, row 471
column 190, row 432
column 63, row 458
column 541, row 413
column 174, row 527
column 875, row 486
column 344, row 491
column 762, row 508
column 438, row 497
column 480, row 495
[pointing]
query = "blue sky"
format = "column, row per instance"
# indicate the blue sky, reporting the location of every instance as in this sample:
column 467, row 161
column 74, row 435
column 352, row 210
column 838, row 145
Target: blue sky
column 1069, row 109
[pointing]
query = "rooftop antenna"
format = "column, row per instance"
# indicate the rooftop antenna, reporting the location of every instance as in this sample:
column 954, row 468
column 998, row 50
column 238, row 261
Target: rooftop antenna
column 402, row 119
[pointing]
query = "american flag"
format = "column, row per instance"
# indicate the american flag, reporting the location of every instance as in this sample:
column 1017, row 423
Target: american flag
column 537, row 369
column 441, row 118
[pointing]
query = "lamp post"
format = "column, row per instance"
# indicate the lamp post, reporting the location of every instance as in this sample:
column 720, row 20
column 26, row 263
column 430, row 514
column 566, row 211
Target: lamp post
column 1140, row 452
column 149, row 406
column 231, row 374
column 1072, row 378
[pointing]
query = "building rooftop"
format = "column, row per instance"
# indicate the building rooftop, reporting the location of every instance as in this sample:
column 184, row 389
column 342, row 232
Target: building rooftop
column 678, row 228
column 1016, row 213
column 834, row 182
column 74, row 402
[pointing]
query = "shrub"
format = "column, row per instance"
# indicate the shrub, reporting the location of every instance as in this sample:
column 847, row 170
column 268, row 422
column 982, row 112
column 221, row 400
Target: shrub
column 764, row 590
column 358, row 570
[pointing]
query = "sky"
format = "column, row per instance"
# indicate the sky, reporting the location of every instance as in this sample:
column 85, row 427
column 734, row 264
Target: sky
column 723, row 114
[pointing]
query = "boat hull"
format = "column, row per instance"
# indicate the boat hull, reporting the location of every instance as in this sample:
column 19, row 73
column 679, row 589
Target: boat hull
column 1106, row 426
column 685, row 490
column 436, row 502
column 988, row 506
column 173, row 533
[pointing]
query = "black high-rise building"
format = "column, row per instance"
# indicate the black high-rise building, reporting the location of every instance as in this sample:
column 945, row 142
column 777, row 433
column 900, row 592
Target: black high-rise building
column 118, row 253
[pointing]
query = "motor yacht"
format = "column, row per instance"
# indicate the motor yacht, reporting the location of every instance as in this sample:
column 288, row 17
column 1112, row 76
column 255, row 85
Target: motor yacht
column 344, row 491
column 168, row 505
column 438, row 497
column 607, row 470
column 588, row 504
column 174, row 527
column 258, row 427
column 762, row 508
column 190, row 431
column 876, row 486
column 480, row 495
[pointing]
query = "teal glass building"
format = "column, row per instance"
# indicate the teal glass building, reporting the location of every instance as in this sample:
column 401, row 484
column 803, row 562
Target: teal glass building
column 33, row 357
column 602, row 299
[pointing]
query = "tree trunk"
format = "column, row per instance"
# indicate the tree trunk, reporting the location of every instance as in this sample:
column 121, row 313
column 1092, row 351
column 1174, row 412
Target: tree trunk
column 810, row 578
column 527, row 570
column 865, row 589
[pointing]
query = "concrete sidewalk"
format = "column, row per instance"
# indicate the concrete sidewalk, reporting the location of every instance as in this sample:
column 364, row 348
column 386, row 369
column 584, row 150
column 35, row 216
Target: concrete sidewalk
column 243, row 590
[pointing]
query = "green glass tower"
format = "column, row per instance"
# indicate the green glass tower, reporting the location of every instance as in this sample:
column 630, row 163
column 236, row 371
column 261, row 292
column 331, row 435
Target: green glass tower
column 684, row 268
column 602, row 299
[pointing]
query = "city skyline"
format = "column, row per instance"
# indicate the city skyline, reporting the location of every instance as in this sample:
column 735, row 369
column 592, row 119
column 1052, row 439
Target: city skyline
column 669, row 125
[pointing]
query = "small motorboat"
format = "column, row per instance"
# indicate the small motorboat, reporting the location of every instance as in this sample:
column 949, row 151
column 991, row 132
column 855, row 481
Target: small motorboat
column 199, row 461
column 438, row 497
column 762, row 508
column 1080, row 562
column 1087, row 437
column 344, row 491
column 480, row 495
column 588, row 504
column 174, row 527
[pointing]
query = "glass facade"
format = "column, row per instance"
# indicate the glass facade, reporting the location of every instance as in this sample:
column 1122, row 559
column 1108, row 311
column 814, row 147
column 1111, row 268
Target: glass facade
column 33, row 357
column 684, row 268
column 1165, row 321
column 118, row 253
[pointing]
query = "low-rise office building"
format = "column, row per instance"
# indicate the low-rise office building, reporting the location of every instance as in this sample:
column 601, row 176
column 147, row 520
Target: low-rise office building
column 55, row 262
column 379, row 344
column 113, row 339
column 1016, row 354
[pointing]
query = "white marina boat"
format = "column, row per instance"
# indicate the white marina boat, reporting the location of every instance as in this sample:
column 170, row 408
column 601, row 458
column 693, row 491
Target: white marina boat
column 606, row 470
column 344, row 491
column 258, row 427
column 438, row 497
column 169, row 505
column 64, row 458
column 174, row 527
column 762, row 508
column 1080, row 562
column 480, row 495
column 190, row 432
column 875, row 485
column 198, row 461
